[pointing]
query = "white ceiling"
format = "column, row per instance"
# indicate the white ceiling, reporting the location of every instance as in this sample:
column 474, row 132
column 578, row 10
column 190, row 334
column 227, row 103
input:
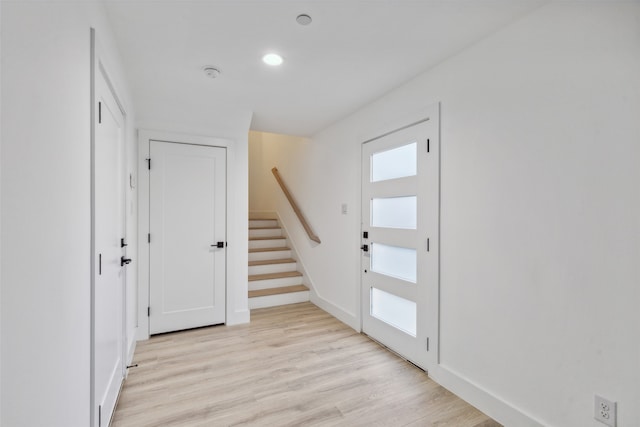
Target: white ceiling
column 353, row 52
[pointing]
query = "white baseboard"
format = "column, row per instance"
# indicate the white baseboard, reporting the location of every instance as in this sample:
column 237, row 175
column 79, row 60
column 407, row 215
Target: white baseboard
column 238, row 317
column 492, row 405
column 142, row 334
column 337, row 312
column 130, row 351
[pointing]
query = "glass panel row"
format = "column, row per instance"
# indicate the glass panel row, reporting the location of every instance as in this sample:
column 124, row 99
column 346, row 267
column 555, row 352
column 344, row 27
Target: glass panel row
column 395, row 163
column 394, row 261
column 394, row 310
column 394, row 212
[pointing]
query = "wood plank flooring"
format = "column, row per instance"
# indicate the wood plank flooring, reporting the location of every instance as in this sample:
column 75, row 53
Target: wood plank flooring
column 291, row 366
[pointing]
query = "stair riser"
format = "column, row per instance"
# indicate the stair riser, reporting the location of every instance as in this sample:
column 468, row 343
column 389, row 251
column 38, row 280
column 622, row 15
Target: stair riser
column 276, row 300
column 274, row 283
column 263, row 223
column 272, row 268
column 262, row 215
column 254, row 244
column 265, row 256
column 267, row 232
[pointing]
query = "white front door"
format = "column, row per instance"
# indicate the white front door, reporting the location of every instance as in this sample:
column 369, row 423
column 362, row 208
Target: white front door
column 109, row 275
column 400, row 209
column 187, row 221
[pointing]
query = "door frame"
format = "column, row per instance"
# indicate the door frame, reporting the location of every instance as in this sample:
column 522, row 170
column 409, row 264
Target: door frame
column 99, row 68
column 144, row 138
column 430, row 112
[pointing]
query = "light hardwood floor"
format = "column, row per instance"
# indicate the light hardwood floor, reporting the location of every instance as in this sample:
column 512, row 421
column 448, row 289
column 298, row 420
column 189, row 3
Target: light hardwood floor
column 291, row 366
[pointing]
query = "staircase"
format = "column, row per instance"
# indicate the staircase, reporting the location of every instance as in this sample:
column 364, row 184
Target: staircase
column 273, row 275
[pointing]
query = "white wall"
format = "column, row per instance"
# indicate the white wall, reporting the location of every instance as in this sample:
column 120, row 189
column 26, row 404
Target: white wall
column 45, row 193
column 540, row 236
column 266, row 151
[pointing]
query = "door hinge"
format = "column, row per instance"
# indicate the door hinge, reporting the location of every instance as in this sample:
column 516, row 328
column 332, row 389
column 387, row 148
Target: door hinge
column 148, row 163
column 148, row 311
column 99, row 415
column 427, row 343
column 148, row 237
column 428, row 145
column 99, row 264
column 427, row 244
column 99, row 112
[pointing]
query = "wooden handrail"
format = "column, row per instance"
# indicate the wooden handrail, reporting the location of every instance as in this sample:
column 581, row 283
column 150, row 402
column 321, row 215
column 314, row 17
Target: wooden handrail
column 295, row 207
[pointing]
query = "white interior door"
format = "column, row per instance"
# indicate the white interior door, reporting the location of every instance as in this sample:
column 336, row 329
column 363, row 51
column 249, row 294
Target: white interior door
column 187, row 220
column 109, row 275
column 400, row 209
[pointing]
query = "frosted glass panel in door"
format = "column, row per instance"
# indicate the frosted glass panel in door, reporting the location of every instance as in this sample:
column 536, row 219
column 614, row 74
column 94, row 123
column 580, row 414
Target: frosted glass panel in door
column 394, row 310
column 396, row 163
column 394, row 212
column 394, row 261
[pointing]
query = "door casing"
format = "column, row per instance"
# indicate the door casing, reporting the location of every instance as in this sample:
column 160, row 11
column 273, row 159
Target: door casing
column 100, row 81
column 430, row 114
column 144, row 138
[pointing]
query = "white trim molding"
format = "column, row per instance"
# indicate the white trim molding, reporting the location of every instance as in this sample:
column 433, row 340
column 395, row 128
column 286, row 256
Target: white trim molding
column 489, row 403
column 237, row 282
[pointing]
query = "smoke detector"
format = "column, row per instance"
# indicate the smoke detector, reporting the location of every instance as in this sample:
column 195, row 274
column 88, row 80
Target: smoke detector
column 303, row 19
column 211, row 72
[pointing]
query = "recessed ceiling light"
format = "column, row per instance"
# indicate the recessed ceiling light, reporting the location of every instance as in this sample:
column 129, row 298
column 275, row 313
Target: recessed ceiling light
column 211, row 72
column 303, row 19
column 272, row 59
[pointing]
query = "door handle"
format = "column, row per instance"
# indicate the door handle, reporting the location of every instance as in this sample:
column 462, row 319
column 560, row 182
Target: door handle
column 365, row 248
column 218, row 245
column 124, row 261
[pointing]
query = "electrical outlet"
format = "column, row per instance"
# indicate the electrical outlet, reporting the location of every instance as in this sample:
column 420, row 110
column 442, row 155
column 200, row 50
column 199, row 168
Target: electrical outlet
column 605, row 411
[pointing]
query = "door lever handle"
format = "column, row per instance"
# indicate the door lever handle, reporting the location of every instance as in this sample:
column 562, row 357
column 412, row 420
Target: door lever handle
column 124, row 261
column 365, row 248
column 218, row 245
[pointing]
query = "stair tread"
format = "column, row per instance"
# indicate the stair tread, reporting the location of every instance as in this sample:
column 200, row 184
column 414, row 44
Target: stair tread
column 265, row 228
column 269, row 276
column 277, row 291
column 272, row 261
column 279, row 248
column 267, row 238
